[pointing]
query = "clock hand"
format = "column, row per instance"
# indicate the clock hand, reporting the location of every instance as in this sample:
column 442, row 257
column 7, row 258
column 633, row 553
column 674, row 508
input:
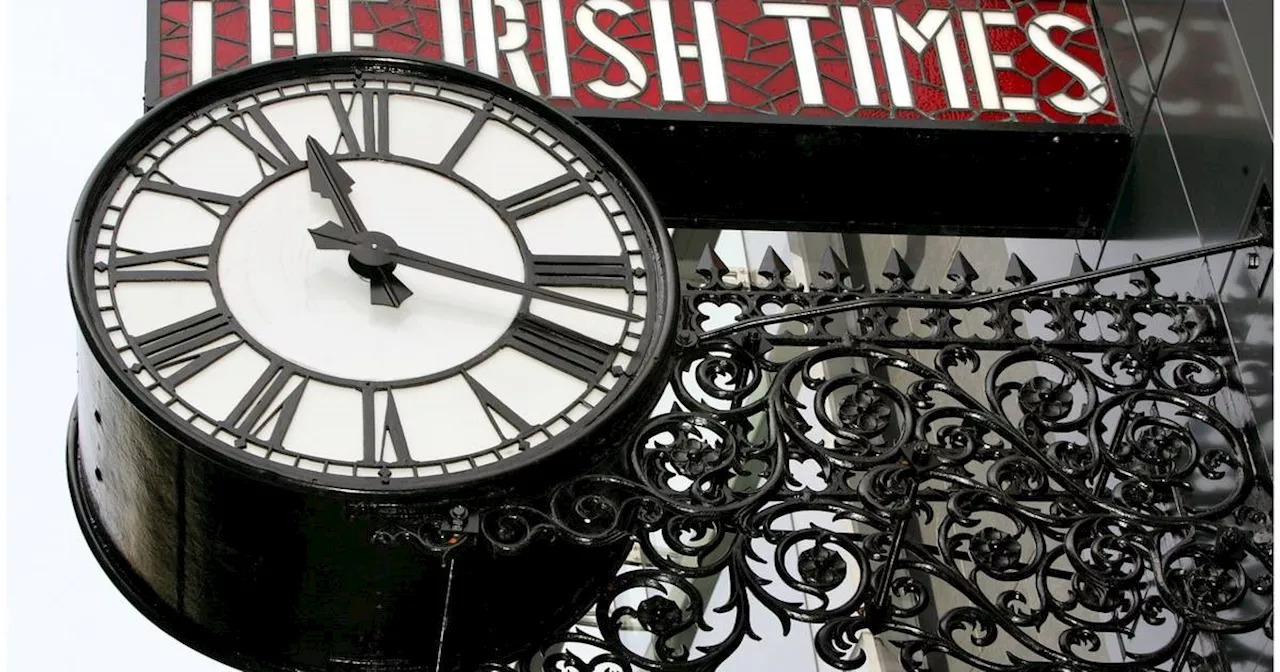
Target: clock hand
column 447, row 269
column 369, row 258
column 333, row 237
column 385, row 289
column 334, row 184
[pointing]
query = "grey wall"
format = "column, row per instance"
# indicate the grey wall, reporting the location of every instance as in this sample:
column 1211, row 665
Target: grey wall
column 1203, row 156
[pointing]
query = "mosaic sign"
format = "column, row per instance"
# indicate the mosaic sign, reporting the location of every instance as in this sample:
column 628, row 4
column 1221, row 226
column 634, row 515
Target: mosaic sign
column 670, row 83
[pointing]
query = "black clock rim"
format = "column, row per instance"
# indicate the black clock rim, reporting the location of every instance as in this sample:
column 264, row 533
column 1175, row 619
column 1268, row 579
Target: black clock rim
column 644, row 383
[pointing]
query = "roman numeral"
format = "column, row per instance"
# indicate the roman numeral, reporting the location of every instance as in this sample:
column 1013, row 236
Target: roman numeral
column 495, row 408
column 182, row 342
column 375, row 120
column 209, row 200
column 581, row 271
column 464, row 141
column 376, row 437
column 563, row 349
column 187, row 256
column 258, row 407
column 547, row 195
column 376, row 105
column 343, row 114
column 278, row 155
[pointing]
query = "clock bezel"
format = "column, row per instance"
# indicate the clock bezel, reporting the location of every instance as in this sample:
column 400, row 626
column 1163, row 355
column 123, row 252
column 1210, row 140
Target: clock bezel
column 648, row 370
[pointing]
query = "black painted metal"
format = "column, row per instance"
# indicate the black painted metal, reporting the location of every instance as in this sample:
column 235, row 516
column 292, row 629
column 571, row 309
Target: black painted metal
column 1051, row 181
column 1035, row 506
column 962, row 297
column 264, row 578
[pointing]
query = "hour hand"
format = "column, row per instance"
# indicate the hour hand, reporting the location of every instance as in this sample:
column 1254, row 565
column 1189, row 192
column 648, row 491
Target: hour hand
column 366, row 259
column 385, row 289
column 333, row 236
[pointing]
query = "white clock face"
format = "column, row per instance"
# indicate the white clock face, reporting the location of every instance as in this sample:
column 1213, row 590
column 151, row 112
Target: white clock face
column 374, row 277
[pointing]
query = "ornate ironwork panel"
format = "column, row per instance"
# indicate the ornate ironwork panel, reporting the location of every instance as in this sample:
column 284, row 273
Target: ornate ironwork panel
column 992, row 502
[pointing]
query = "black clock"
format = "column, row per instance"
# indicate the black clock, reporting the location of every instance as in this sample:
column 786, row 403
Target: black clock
column 327, row 282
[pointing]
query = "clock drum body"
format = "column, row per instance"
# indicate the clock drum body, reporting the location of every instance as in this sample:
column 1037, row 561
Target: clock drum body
column 277, row 578
column 235, row 478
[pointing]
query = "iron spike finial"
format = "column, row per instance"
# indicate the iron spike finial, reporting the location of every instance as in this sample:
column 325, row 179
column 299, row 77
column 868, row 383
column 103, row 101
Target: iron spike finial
column 897, row 269
column 711, row 266
column 961, row 271
column 1079, row 266
column 1144, row 279
column 1017, row 273
column 833, row 269
column 772, row 267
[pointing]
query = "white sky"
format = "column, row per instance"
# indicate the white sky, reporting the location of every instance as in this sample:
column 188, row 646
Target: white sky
column 75, row 85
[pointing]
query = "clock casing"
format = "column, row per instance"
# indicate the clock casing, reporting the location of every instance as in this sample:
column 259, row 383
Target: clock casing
column 229, row 533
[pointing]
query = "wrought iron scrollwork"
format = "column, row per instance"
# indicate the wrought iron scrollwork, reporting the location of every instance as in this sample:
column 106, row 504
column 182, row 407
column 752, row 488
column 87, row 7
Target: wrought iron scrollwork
column 1007, row 503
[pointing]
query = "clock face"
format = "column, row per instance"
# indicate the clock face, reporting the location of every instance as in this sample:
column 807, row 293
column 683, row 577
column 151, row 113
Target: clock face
column 375, row 275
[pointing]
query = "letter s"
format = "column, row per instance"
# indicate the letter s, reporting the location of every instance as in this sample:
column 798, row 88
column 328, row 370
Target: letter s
column 1096, row 90
column 585, row 17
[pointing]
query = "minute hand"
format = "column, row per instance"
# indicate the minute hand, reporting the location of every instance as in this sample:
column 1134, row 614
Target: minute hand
column 447, row 269
column 333, row 183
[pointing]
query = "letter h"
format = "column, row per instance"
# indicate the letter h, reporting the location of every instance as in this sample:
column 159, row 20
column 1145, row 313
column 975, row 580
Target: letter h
column 707, row 50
